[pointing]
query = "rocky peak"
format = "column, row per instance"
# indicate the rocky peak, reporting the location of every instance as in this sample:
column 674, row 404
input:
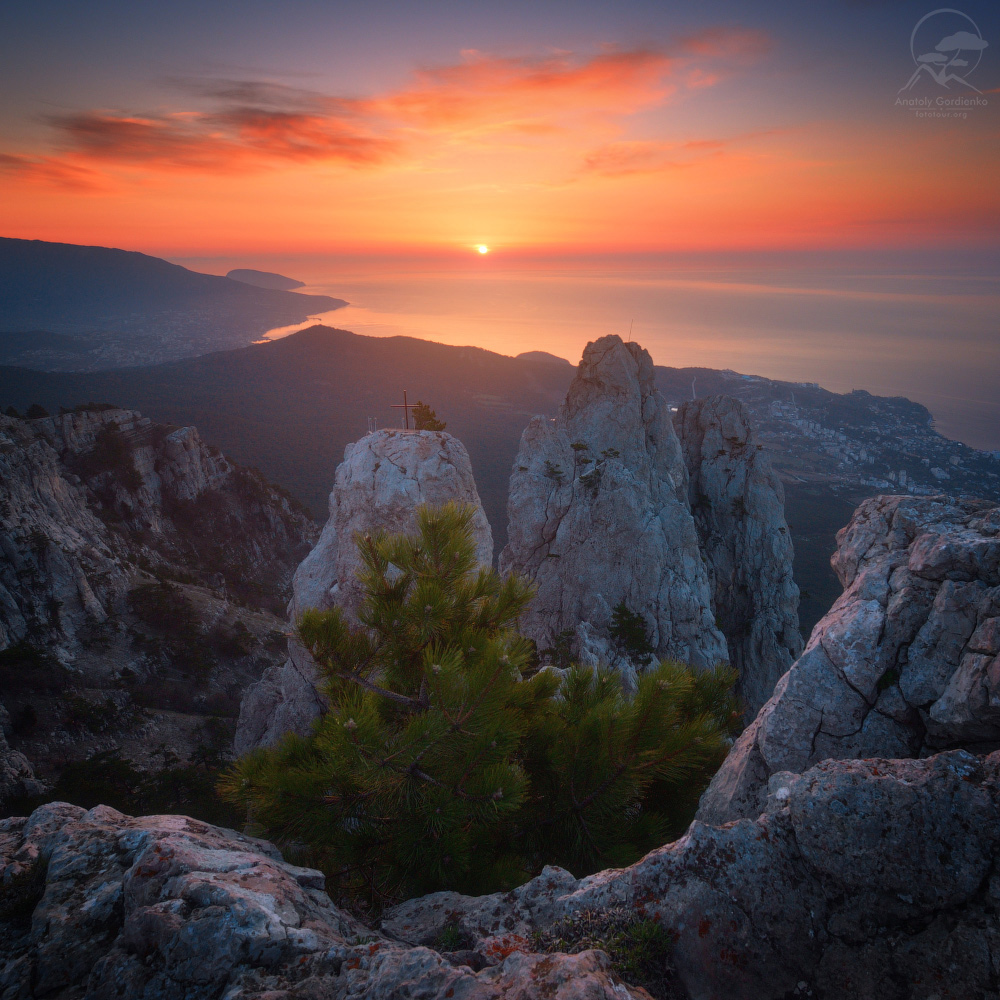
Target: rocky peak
column 608, row 506
column 906, row 662
column 384, row 478
column 738, row 505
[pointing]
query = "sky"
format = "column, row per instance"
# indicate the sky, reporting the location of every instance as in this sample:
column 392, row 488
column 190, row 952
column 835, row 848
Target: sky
column 541, row 127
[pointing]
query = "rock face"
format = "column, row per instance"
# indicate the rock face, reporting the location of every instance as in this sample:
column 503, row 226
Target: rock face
column 598, row 514
column 84, row 496
column 129, row 553
column 870, row 879
column 738, row 505
column 383, row 479
column 860, row 879
column 905, row 663
column 101, row 905
column 17, row 776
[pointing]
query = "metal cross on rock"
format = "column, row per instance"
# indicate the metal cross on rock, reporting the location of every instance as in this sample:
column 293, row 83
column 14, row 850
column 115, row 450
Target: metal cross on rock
column 405, row 407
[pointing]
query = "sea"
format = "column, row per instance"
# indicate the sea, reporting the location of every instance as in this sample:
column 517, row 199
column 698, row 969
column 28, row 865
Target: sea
column 925, row 325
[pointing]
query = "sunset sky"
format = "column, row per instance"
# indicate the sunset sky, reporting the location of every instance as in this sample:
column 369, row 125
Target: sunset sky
column 213, row 128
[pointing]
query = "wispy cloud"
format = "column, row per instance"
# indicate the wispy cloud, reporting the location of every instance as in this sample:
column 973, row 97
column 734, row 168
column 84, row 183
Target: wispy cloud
column 618, row 159
column 251, row 125
column 50, row 171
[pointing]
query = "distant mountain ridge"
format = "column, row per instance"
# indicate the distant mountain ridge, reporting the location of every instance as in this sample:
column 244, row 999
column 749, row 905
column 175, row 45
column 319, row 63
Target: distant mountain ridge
column 264, row 279
column 127, row 308
column 291, row 406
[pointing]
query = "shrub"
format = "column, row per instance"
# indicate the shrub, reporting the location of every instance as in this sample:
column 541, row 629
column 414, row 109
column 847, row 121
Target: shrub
column 441, row 765
column 425, row 419
column 36, row 411
column 639, row 948
column 630, row 636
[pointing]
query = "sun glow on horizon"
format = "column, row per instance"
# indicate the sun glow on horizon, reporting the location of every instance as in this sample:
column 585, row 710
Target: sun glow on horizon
column 483, row 248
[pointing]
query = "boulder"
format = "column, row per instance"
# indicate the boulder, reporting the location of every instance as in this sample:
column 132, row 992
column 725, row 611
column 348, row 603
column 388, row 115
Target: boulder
column 598, row 515
column 383, row 479
column 101, row 905
column 865, row 878
column 906, row 662
column 738, row 505
column 872, row 878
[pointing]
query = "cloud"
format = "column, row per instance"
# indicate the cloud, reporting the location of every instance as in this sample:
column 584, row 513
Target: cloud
column 247, row 125
column 619, row 159
column 49, row 171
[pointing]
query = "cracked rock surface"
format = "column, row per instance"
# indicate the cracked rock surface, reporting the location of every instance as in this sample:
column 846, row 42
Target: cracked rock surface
column 169, row 908
column 738, row 505
column 859, row 879
column 598, row 514
column 384, row 477
column 906, row 662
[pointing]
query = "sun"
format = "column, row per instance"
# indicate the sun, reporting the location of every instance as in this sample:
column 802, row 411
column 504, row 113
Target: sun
column 483, row 248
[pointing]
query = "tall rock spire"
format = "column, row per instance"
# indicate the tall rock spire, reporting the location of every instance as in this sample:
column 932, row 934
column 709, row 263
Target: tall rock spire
column 383, row 479
column 738, row 506
column 598, row 517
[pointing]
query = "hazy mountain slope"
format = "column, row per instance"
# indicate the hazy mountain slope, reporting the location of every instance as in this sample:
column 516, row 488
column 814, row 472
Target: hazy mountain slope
column 291, row 406
column 139, row 573
column 128, row 308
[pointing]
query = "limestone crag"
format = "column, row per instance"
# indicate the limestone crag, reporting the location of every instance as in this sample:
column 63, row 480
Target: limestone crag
column 383, row 479
column 738, row 505
column 598, row 515
column 860, row 879
column 104, row 906
column 906, row 662
column 131, row 554
column 872, row 878
column 86, row 496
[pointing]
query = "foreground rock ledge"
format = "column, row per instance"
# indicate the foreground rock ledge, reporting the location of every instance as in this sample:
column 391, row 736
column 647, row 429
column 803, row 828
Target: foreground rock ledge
column 905, row 664
column 865, row 878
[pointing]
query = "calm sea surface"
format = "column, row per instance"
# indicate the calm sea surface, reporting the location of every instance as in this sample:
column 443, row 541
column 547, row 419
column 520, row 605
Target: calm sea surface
column 918, row 328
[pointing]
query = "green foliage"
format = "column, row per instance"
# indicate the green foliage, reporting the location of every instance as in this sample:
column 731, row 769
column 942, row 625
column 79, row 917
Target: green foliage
column 639, row 948
column 888, row 679
column 630, row 636
column 11, row 411
column 560, row 653
column 446, row 762
column 36, row 411
column 425, row 419
column 553, row 471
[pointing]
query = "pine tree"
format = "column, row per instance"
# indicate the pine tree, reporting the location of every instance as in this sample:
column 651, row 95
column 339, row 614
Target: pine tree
column 425, row 419
column 444, row 762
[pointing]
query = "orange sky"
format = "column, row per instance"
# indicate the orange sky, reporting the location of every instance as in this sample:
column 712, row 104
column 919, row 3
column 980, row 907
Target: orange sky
column 676, row 145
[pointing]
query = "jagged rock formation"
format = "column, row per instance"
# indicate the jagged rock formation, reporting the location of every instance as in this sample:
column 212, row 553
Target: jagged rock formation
column 738, row 505
column 859, row 879
column 128, row 553
column 598, row 515
column 168, row 907
column 383, row 479
column 905, row 663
